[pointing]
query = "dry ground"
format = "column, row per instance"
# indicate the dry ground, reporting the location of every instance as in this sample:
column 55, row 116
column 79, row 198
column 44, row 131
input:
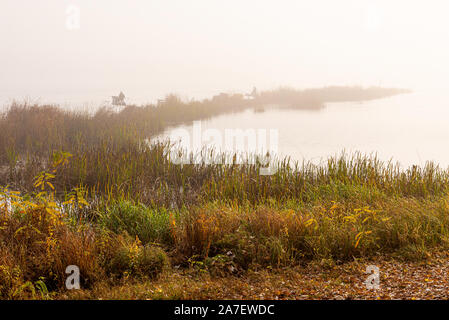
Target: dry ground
column 427, row 279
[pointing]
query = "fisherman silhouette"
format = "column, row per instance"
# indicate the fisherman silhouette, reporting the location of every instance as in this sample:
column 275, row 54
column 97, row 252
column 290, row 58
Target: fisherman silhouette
column 119, row 100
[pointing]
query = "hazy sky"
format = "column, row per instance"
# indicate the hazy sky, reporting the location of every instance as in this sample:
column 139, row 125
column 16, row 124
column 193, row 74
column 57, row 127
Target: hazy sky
column 197, row 48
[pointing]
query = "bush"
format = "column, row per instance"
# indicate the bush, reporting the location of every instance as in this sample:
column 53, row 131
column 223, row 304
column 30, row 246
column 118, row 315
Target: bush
column 151, row 261
column 131, row 258
column 137, row 220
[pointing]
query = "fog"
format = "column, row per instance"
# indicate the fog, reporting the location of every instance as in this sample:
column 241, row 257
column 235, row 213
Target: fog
column 202, row 47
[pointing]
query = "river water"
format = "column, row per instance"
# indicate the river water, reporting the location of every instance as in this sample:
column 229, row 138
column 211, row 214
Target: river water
column 409, row 128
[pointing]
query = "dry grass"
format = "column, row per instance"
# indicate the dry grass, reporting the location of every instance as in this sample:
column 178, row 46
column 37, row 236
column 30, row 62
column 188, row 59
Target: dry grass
column 40, row 237
column 122, row 212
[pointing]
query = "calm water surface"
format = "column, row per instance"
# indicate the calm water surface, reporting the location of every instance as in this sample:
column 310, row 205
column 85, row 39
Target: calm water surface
column 409, row 129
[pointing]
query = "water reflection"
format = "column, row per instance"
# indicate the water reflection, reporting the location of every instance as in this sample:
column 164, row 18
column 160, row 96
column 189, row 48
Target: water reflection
column 410, row 129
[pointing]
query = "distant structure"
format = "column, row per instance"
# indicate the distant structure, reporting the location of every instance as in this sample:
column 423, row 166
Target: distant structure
column 119, row 100
column 254, row 92
column 252, row 95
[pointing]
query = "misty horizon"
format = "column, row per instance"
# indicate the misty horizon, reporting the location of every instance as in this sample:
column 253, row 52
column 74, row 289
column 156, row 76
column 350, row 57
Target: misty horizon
column 199, row 49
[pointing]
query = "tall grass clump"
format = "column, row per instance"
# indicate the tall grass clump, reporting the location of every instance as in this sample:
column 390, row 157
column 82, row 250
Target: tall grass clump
column 149, row 225
column 276, row 236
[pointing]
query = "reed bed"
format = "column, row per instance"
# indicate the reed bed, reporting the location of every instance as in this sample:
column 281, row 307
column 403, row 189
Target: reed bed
column 89, row 190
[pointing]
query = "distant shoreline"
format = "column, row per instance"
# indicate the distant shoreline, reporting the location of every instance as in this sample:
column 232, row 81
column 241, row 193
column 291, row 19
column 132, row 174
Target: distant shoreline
column 285, row 95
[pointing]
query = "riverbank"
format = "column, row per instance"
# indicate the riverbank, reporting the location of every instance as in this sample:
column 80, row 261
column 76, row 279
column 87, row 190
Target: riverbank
column 83, row 191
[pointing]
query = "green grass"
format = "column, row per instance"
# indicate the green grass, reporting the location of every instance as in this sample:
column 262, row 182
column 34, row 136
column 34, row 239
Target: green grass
column 149, row 225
